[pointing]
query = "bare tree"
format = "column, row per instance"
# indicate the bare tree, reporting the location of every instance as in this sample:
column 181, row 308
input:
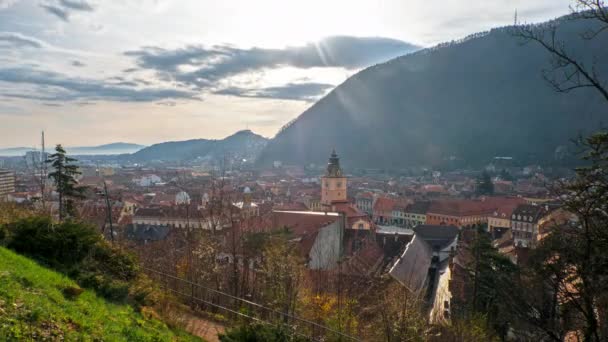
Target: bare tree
column 568, row 72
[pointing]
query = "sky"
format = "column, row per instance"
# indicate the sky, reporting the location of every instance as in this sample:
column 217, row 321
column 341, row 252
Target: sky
column 91, row 72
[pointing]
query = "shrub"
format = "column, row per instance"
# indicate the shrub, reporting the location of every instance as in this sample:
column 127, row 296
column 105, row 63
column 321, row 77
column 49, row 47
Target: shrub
column 259, row 333
column 60, row 245
column 114, row 261
column 72, row 292
column 80, row 251
column 3, row 235
column 145, row 292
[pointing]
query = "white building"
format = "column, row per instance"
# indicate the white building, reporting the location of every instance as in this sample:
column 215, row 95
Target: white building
column 147, row 180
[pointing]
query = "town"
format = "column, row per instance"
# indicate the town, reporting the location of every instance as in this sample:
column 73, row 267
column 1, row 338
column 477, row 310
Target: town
column 416, row 230
column 295, row 171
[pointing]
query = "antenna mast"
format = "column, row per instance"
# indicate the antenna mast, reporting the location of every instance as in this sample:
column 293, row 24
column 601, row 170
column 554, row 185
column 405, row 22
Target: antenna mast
column 43, row 171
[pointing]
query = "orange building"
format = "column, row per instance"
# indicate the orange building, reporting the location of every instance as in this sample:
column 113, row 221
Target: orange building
column 463, row 212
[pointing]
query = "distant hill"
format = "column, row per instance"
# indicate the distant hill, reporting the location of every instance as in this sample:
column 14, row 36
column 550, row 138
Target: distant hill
column 243, row 145
column 15, row 151
column 113, row 148
column 34, row 305
column 470, row 100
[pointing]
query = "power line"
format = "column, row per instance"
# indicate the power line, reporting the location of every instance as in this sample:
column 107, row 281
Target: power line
column 286, row 315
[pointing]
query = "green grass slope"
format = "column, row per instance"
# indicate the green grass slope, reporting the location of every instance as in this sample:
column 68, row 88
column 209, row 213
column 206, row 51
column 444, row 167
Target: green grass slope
column 33, row 307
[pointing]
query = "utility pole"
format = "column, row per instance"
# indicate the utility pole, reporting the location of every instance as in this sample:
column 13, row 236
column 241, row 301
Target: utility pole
column 43, row 172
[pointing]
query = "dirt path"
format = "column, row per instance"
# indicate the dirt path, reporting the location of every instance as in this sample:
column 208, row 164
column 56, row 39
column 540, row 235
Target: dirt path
column 200, row 327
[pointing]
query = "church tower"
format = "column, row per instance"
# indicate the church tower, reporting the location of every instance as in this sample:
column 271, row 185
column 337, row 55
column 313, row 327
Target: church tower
column 333, row 184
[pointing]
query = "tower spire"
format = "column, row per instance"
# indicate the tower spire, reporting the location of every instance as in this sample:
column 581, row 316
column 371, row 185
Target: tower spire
column 333, row 166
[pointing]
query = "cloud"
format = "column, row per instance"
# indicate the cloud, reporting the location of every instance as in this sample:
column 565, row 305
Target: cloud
column 201, row 66
column 77, row 63
column 57, row 11
column 7, row 3
column 53, row 86
column 63, row 9
column 15, row 39
column 76, row 5
column 291, row 91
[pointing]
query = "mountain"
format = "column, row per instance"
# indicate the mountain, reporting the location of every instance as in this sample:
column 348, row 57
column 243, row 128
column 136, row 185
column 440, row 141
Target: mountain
column 15, row 151
column 113, row 148
column 470, row 100
column 243, row 145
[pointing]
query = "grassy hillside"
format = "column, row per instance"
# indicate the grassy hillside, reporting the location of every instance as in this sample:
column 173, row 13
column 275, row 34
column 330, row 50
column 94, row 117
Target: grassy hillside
column 33, row 306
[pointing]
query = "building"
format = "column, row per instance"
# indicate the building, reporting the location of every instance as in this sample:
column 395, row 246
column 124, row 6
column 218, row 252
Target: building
column 430, row 246
column 499, row 222
column 247, row 207
column 383, row 210
column 457, row 212
column 399, row 212
column 7, row 183
column 333, row 183
column 147, row 180
column 524, row 224
column 462, row 213
column 365, row 202
column 443, row 240
column 415, row 213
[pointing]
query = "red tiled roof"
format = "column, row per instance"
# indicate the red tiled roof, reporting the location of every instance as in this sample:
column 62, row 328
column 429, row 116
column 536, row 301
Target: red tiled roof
column 302, row 223
column 366, row 195
column 349, row 210
column 384, row 204
column 463, row 207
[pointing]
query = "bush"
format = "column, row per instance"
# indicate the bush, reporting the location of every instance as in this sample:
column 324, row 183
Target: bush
column 59, row 245
column 3, row 235
column 145, row 292
column 260, row 333
column 80, row 251
column 114, row 261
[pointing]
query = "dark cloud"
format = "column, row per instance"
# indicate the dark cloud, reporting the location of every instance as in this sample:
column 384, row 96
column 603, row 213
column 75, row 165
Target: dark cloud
column 76, row 5
column 14, row 39
column 57, row 87
column 77, row 63
column 57, row 11
column 215, row 63
column 62, row 9
column 291, row 91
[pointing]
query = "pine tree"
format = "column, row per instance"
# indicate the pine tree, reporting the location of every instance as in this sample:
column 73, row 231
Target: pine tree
column 484, row 184
column 63, row 175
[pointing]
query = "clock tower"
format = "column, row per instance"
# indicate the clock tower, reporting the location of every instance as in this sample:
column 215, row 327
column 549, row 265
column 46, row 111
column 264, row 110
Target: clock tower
column 333, row 184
